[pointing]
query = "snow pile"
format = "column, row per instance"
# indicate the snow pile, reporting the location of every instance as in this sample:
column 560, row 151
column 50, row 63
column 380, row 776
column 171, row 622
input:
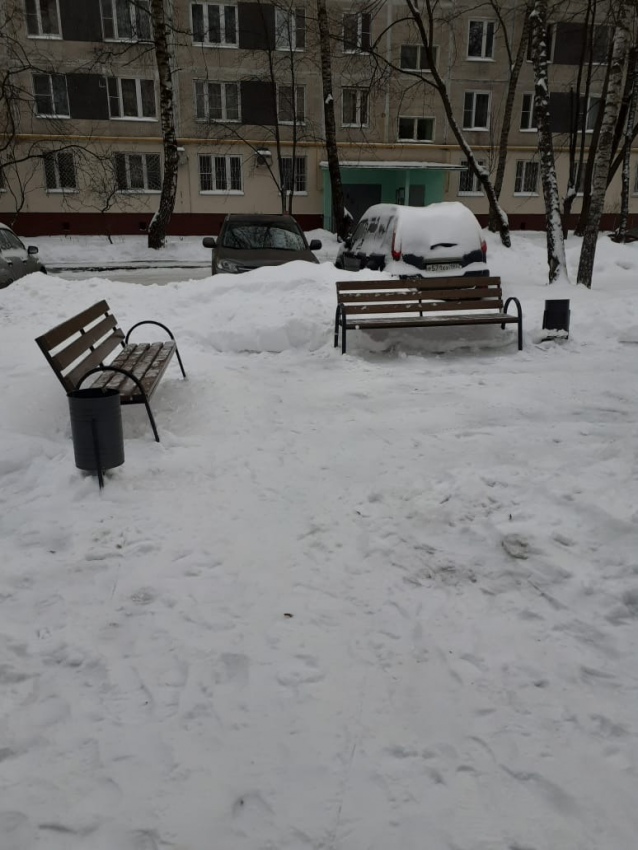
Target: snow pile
column 347, row 602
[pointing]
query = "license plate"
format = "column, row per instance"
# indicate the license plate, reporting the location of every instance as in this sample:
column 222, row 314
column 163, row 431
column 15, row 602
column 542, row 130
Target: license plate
column 442, row 267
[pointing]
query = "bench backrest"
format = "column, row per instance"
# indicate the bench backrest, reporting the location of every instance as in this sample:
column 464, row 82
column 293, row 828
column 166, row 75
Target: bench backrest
column 420, row 295
column 81, row 343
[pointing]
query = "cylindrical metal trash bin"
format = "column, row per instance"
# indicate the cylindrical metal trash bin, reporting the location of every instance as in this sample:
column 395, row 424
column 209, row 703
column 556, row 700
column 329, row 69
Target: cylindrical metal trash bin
column 96, row 428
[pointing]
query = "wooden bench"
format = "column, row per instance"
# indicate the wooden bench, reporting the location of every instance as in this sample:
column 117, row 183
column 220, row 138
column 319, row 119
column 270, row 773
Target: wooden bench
column 421, row 303
column 77, row 349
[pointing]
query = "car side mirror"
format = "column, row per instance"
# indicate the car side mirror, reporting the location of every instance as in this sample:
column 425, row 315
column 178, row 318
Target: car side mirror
column 208, row 242
column 315, row 244
column 32, row 249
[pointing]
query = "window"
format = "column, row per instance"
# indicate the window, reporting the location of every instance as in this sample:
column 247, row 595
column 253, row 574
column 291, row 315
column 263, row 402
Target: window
column 137, row 172
column 578, row 176
column 220, row 174
column 355, row 108
column 414, row 57
column 476, row 110
column 636, row 182
column 528, row 114
column 51, row 98
column 290, row 111
column 126, row 20
column 593, row 107
column 43, row 18
column 416, row 129
column 290, row 29
column 293, row 181
column 468, row 181
column 131, row 98
column 3, row 182
column 214, row 24
column 480, row 40
column 59, row 171
column 356, row 32
column 526, row 182
column 216, row 101
column 551, row 32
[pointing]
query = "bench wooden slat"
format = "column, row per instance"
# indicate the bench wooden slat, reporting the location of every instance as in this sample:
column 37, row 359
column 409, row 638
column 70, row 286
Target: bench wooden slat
column 417, row 283
column 83, row 343
column 51, row 339
column 432, row 321
column 143, row 364
column 424, row 306
column 127, row 359
column 416, row 296
column 158, row 367
column 96, row 358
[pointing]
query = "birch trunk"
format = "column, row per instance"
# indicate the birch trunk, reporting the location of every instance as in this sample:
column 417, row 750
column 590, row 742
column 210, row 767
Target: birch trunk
column 160, row 221
column 553, row 224
column 603, row 159
column 339, row 222
column 632, row 71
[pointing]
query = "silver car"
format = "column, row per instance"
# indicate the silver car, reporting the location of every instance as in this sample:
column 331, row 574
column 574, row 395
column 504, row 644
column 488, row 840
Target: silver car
column 15, row 259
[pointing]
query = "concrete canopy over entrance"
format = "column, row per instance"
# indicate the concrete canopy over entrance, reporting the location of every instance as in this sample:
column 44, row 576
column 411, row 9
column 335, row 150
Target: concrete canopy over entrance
column 376, row 182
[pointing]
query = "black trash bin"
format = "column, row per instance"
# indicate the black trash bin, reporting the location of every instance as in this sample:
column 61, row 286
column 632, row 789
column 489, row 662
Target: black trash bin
column 96, row 428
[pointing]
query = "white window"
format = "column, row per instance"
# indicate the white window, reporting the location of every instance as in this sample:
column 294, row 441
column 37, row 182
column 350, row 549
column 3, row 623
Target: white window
column 131, row 98
column 220, row 174
column 291, row 110
column 51, row 97
column 290, row 29
column 126, row 20
column 476, row 110
column 414, row 57
column 294, row 180
column 480, row 40
column 526, row 182
column 43, row 18
column 138, row 172
column 528, row 113
column 469, row 183
column 354, row 108
column 551, row 35
column 214, row 23
column 59, row 171
column 216, row 101
column 356, row 32
column 416, row 129
column 593, row 106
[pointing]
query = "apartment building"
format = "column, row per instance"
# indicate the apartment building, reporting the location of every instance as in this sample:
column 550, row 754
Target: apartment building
column 249, row 110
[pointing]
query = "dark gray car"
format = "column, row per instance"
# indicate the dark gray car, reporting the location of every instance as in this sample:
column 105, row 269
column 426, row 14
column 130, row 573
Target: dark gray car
column 247, row 242
column 15, row 259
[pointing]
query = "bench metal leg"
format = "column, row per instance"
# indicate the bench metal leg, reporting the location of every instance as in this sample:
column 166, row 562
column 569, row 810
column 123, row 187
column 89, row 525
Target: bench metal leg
column 137, row 383
column 519, row 310
column 179, row 360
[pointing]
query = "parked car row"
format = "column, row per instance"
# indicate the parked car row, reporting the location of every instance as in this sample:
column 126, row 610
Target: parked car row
column 16, row 260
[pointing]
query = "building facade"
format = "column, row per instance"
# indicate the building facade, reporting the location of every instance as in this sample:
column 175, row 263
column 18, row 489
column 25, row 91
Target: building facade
column 82, row 135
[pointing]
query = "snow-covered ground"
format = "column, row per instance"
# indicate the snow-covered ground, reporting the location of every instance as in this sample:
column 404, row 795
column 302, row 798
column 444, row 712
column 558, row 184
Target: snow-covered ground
column 386, row 601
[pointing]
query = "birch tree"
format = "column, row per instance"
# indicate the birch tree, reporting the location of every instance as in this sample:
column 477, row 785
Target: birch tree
column 553, row 224
column 632, row 74
column 605, row 145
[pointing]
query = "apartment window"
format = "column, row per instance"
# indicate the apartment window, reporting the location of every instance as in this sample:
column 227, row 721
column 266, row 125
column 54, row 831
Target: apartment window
column 131, row 98
column 138, row 172
column 43, row 18
column 214, row 24
column 414, row 57
column 526, row 182
column 291, row 109
column 293, row 180
column 59, row 171
column 354, row 108
column 356, row 32
column 480, row 40
column 528, row 114
column 126, row 20
column 476, row 110
column 51, row 97
column 216, row 101
column 636, row 181
column 416, row 129
column 220, row 174
column 593, row 107
column 469, row 183
column 551, row 33
column 290, row 29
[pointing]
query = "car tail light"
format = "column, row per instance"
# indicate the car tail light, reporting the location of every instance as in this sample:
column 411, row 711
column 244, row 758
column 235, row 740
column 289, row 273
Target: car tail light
column 396, row 255
column 483, row 247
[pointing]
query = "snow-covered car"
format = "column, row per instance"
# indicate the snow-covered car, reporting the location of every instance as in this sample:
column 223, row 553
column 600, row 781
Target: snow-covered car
column 440, row 239
column 248, row 242
column 15, row 259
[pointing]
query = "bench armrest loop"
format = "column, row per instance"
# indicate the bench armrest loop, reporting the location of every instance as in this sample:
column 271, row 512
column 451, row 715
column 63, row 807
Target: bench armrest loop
column 134, row 379
column 148, row 322
column 519, row 310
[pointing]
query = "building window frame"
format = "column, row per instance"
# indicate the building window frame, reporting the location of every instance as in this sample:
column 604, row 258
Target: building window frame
column 475, row 190
column 414, row 136
column 635, row 189
column 594, row 102
column 301, row 174
column 421, row 65
column 33, row 13
column 115, row 94
column 228, row 34
column 136, row 14
column 202, row 94
column 362, row 107
column 290, row 29
column 146, row 188
column 356, row 39
column 488, row 39
column 475, row 94
column 528, row 113
column 58, row 99
column 522, row 182
column 300, row 105
column 52, row 164
column 212, row 171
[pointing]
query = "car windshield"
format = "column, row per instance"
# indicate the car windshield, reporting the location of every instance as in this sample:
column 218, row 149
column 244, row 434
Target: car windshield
column 257, row 236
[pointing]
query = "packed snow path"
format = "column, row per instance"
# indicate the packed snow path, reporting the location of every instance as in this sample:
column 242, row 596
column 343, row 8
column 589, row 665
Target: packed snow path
column 348, row 603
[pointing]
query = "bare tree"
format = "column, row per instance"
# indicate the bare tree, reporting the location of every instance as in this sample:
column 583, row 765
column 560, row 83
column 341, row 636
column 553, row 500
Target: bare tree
column 632, row 75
